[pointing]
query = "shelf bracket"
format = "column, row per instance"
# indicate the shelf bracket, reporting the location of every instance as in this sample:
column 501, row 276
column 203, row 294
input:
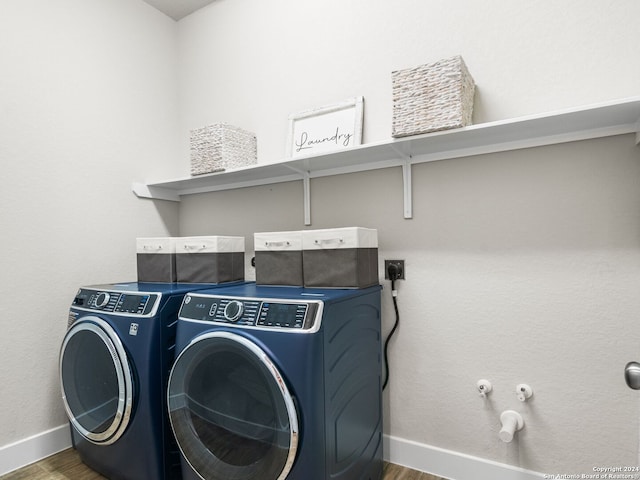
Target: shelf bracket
column 406, row 188
column 306, row 187
column 145, row 191
column 406, row 182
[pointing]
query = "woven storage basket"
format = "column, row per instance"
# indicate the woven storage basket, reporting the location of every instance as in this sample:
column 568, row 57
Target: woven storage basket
column 219, row 147
column 432, row 97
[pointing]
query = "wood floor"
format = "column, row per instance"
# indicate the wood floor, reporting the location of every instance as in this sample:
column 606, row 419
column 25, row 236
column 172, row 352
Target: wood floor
column 66, row 465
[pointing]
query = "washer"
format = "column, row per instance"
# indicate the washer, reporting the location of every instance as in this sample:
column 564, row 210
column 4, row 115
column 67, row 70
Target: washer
column 275, row 383
column 114, row 365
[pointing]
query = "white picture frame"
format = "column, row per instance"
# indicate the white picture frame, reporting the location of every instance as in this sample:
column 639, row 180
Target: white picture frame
column 325, row 129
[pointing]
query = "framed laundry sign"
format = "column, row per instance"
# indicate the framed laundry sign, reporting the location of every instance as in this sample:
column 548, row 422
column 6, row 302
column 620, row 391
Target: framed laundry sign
column 334, row 127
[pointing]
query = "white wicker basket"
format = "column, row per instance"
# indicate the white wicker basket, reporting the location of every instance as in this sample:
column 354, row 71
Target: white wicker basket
column 221, row 146
column 432, row 97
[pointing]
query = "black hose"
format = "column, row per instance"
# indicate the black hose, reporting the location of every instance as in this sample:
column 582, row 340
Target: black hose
column 393, row 330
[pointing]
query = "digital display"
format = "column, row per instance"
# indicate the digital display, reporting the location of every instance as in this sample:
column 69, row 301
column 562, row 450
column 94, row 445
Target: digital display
column 130, row 303
column 282, row 314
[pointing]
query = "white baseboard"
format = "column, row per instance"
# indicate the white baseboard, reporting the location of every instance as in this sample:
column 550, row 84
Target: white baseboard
column 450, row 464
column 32, row 449
column 426, row 458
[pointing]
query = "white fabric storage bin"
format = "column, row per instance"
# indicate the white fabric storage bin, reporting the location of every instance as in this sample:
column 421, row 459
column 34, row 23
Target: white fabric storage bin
column 340, row 257
column 210, row 259
column 278, row 258
column 156, row 259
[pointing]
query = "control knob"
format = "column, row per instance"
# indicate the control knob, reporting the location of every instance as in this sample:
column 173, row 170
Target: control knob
column 102, row 299
column 233, row 310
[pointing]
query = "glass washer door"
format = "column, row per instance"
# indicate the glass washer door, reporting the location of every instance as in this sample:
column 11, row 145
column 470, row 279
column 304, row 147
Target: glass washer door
column 96, row 380
column 230, row 410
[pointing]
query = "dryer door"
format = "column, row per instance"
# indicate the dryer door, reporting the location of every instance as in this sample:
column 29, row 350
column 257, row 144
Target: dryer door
column 230, row 410
column 96, row 379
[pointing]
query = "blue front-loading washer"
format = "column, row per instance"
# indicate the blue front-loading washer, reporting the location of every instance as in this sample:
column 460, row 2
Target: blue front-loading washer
column 115, row 360
column 274, row 383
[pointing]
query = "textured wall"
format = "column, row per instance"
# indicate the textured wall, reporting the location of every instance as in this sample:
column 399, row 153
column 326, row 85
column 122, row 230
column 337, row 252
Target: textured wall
column 87, row 105
column 252, row 63
column 521, row 266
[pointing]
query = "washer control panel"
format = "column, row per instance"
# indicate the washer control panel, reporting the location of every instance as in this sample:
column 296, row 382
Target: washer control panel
column 125, row 303
column 248, row 312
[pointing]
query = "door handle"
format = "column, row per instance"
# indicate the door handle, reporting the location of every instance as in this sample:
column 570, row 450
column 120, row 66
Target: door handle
column 632, row 375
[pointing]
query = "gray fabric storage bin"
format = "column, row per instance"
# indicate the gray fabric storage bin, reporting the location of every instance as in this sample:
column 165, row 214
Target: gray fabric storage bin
column 210, row 259
column 278, row 258
column 156, row 259
column 340, row 257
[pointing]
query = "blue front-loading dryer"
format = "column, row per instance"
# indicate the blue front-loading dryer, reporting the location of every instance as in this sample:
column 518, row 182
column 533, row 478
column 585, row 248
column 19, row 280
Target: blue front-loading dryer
column 114, row 366
column 274, row 383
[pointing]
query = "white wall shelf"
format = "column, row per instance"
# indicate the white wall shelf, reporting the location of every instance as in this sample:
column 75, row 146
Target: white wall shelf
column 594, row 121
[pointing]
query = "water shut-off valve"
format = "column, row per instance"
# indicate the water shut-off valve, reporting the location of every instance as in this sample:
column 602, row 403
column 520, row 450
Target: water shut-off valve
column 523, row 392
column 484, row 387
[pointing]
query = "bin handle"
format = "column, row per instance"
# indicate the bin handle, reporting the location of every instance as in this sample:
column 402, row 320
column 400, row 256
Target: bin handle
column 328, row 241
column 277, row 244
column 194, row 247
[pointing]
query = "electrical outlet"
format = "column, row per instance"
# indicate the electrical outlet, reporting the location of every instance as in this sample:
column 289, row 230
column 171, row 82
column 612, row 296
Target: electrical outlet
column 399, row 263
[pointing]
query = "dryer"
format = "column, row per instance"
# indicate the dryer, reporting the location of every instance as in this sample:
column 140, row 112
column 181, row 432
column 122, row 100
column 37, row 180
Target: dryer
column 114, row 366
column 275, row 383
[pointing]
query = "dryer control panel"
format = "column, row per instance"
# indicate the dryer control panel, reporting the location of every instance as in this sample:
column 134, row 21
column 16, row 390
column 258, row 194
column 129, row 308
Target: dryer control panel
column 249, row 312
column 123, row 303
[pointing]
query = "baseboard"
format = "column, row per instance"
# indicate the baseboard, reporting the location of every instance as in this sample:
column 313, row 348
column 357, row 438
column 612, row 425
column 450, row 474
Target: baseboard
column 450, row 464
column 32, row 449
column 426, row 458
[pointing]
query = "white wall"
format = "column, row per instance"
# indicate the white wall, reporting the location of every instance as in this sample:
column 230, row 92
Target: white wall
column 88, row 103
column 253, row 63
column 521, row 266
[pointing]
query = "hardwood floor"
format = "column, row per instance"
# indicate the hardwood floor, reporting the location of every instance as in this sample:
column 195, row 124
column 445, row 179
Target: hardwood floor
column 396, row 472
column 66, row 465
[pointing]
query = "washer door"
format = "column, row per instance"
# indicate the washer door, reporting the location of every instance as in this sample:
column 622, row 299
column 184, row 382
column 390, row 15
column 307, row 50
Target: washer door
column 230, row 410
column 96, row 379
